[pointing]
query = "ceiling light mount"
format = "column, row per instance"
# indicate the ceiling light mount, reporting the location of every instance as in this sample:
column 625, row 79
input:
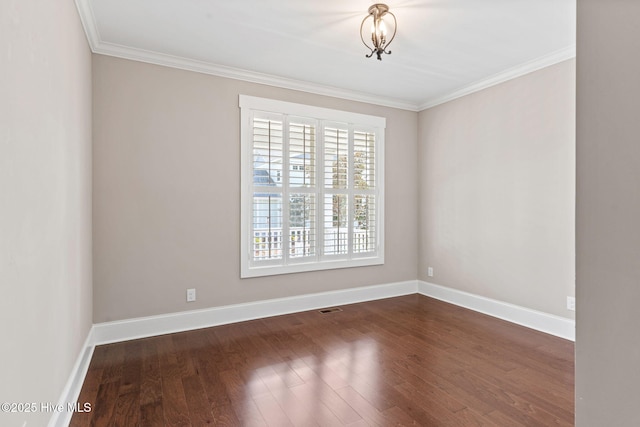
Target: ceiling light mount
column 379, row 30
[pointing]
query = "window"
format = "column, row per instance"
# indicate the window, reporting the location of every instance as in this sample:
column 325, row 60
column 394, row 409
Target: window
column 312, row 188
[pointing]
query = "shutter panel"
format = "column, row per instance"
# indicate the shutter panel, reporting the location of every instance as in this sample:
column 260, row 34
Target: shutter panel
column 364, row 160
column 336, row 158
column 302, row 155
column 302, row 225
column 364, row 166
column 302, row 189
column 268, row 178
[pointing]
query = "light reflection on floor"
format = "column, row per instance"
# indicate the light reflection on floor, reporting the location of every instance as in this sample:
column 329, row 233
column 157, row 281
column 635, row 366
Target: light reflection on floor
column 287, row 388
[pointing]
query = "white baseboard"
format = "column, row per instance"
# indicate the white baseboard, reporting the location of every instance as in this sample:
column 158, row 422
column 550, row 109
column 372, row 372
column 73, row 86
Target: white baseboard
column 72, row 388
column 540, row 321
column 142, row 327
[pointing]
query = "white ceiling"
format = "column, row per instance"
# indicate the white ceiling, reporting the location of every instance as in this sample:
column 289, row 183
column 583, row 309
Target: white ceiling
column 443, row 49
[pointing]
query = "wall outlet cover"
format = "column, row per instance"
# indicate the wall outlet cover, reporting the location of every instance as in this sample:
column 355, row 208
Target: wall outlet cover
column 571, row 303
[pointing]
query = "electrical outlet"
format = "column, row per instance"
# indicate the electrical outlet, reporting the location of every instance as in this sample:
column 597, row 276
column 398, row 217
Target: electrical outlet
column 191, row 295
column 430, row 271
column 571, row 303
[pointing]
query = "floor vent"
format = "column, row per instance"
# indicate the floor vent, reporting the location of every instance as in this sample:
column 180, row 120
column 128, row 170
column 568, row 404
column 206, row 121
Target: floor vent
column 330, row 310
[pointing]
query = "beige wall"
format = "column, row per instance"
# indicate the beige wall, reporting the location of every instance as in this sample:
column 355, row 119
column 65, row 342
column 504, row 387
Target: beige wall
column 608, row 214
column 45, row 201
column 497, row 191
column 167, row 193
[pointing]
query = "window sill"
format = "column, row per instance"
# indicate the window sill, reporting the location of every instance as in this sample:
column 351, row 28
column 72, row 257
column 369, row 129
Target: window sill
column 329, row 264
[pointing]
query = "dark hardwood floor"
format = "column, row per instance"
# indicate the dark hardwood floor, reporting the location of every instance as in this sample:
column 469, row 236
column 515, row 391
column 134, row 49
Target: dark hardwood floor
column 409, row 360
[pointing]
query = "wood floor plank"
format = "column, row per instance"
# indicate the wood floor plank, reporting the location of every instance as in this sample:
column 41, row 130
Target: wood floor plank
column 225, row 416
column 320, row 393
column 240, row 390
column 152, row 414
column 213, row 387
column 321, row 413
column 102, row 413
column 114, row 358
column 176, row 411
column 363, row 407
column 434, row 398
column 410, row 360
column 199, row 409
column 550, row 406
column 127, row 409
column 433, row 408
column 88, row 394
column 468, row 418
column 150, row 378
column 271, row 411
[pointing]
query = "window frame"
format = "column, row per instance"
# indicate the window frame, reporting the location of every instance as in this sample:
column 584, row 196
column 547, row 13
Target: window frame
column 355, row 122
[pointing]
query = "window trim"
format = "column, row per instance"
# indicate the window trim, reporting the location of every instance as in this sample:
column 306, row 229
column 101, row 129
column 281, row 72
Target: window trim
column 355, row 121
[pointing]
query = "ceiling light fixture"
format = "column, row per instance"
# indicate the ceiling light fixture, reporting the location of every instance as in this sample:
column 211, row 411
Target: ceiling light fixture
column 378, row 30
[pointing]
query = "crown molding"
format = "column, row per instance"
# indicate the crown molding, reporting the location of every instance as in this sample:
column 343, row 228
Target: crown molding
column 156, row 58
column 509, row 74
column 88, row 20
column 98, row 46
column 103, row 48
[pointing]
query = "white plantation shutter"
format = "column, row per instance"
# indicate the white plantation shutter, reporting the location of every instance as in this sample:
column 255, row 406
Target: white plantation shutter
column 267, row 149
column 302, row 149
column 336, row 184
column 364, row 199
column 312, row 193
